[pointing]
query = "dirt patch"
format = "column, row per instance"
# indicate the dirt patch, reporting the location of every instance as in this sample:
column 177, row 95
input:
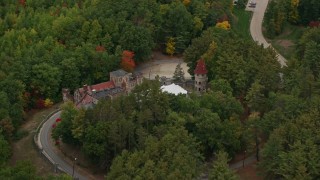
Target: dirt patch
column 158, row 55
column 285, row 43
column 249, row 172
column 286, row 32
column 25, row 149
column 237, row 158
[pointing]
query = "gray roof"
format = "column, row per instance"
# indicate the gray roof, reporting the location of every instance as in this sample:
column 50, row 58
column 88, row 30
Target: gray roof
column 103, row 94
column 118, row 73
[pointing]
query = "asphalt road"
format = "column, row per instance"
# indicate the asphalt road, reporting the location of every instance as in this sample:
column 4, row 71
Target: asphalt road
column 44, row 138
column 256, row 26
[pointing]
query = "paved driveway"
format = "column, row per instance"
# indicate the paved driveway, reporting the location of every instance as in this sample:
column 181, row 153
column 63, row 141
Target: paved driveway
column 256, row 26
column 44, row 138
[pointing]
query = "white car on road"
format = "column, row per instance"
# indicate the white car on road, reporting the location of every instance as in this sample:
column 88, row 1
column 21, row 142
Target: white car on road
column 252, row 4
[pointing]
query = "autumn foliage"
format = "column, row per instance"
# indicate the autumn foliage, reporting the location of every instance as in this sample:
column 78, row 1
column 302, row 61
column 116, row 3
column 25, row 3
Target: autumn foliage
column 127, row 62
column 314, row 24
column 48, row 103
column 223, row 25
column 22, row 2
column 40, row 103
column 100, row 49
column 170, row 46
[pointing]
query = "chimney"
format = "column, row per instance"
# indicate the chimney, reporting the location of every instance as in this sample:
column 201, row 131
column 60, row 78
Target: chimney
column 85, row 88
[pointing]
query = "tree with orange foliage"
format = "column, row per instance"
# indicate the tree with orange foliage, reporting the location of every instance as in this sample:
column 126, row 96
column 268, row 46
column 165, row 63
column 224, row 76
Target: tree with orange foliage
column 22, row 3
column 127, row 62
column 223, row 25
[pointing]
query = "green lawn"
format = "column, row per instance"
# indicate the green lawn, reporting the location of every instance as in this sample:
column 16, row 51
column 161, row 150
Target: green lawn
column 241, row 22
column 291, row 32
column 286, row 42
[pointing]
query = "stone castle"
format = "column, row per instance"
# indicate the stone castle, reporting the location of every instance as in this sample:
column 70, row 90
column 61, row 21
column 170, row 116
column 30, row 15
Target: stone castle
column 121, row 82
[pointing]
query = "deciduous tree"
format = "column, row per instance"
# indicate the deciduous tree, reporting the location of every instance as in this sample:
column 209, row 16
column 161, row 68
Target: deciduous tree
column 127, row 63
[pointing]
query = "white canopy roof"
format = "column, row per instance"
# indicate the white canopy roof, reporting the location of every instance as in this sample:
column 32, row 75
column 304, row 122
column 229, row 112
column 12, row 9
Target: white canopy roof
column 173, row 89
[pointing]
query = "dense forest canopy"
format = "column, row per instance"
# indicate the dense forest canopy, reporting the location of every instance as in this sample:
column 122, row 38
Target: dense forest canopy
column 297, row 12
column 49, row 45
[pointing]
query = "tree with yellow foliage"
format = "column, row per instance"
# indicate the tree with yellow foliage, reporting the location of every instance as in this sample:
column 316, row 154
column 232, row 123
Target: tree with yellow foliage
column 294, row 14
column 224, row 25
column 170, row 46
column 48, row 102
column 186, row 2
column 210, row 52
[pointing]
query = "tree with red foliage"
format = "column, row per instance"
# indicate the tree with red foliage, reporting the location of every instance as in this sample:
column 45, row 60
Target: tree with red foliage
column 100, row 48
column 127, row 62
column 22, row 2
column 40, row 104
column 314, row 24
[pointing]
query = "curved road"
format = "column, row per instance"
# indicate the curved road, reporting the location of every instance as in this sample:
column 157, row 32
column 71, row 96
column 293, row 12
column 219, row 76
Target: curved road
column 47, row 149
column 256, row 26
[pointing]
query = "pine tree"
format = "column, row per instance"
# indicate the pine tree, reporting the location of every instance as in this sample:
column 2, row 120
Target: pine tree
column 221, row 169
column 178, row 75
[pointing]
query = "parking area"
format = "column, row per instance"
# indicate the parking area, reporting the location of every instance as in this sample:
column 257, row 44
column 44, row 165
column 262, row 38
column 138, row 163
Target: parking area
column 251, row 5
column 162, row 65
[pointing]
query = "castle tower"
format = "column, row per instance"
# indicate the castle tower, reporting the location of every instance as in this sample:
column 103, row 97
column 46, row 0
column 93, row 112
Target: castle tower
column 200, row 75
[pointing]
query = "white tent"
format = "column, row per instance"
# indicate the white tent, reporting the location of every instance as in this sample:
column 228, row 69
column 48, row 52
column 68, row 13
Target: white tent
column 173, row 89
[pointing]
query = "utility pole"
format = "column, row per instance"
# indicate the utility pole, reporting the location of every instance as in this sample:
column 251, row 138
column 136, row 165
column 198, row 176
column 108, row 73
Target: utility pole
column 74, row 162
column 244, row 157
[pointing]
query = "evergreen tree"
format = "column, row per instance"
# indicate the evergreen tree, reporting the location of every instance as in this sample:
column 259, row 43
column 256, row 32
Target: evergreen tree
column 178, row 75
column 5, row 151
column 220, row 169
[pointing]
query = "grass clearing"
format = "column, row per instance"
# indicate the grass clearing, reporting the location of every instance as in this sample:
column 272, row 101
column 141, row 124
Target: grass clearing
column 241, row 22
column 286, row 42
column 24, row 149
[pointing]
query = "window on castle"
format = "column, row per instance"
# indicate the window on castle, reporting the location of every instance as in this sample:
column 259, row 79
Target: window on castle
column 199, row 82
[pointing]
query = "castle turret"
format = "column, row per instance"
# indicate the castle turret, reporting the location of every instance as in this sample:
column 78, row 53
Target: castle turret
column 66, row 95
column 200, row 75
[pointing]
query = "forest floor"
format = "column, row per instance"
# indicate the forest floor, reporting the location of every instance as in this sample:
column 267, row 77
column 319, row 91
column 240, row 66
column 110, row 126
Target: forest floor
column 249, row 172
column 25, row 149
